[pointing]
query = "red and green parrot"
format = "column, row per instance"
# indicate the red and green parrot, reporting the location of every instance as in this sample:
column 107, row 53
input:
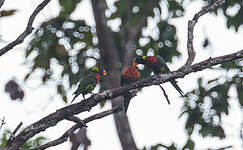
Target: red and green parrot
column 89, row 82
column 129, row 75
column 158, row 65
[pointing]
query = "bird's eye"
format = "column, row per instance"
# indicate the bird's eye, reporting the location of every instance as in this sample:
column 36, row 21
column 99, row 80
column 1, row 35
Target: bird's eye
column 104, row 73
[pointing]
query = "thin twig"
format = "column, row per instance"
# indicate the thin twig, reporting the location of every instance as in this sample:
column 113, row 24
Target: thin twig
column 14, row 132
column 61, row 114
column 27, row 31
column 166, row 96
column 70, row 131
column 85, row 105
column 191, row 25
column 1, row 3
column 224, row 148
column 2, row 122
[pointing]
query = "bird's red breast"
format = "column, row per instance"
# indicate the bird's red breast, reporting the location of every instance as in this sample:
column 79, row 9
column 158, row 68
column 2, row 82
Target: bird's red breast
column 151, row 60
column 131, row 73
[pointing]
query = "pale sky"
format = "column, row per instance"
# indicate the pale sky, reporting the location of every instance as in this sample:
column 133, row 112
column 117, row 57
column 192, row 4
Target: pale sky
column 158, row 125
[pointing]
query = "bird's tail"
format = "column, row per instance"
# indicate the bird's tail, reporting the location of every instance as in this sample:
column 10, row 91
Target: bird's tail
column 76, row 95
column 174, row 83
column 127, row 98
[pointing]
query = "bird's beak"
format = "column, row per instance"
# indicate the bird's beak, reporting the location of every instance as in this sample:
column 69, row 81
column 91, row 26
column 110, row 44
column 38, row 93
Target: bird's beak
column 134, row 64
column 95, row 69
column 104, row 73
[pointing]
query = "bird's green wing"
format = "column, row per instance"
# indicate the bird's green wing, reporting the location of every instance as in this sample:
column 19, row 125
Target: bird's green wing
column 86, row 85
column 173, row 82
column 162, row 63
column 89, row 83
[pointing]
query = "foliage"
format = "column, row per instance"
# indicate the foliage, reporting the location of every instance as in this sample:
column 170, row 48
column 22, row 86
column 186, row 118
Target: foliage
column 67, row 7
column 189, row 145
column 72, row 45
column 65, row 42
column 205, row 105
column 27, row 145
column 233, row 19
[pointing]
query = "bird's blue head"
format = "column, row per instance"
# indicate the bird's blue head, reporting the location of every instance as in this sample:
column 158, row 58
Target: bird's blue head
column 140, row 59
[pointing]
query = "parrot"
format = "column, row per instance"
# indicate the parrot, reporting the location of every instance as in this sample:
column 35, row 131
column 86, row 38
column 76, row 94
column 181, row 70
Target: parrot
column 129, row 75
column 89, row 82
column 158, row 65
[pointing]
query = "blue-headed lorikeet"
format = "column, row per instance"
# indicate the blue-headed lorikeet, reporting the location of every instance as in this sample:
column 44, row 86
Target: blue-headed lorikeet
column 158, row 65
column 89, row 82
column 129, row 75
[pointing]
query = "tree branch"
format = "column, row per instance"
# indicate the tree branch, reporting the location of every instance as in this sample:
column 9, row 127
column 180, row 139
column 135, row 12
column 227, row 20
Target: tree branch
column 165, row 94
column 70, row 131
column 110, row 59
column 77, row 120
column 14, row 132
column 1, row 3
column 191, row 25
column 27, row 31
column 85, row 105
column 2, row 122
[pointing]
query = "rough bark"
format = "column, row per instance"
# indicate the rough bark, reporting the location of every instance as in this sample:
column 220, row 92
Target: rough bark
column 86, row 105
column 28, row 29
column 110, row 60
column 107, row 47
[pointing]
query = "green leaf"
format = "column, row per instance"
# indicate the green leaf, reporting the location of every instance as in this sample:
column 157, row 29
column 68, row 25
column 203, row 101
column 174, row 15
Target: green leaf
column 61, row 90
column 236, row 20
column 190, row 145
column 63, row 42
column 167, row 43
column 175, row 8
column 39, row 140
column 5, row 137
column 219, row 132
column 68, row 6
column 230, row 65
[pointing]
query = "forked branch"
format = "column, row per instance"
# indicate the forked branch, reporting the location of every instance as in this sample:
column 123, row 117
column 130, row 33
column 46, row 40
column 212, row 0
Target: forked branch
column 85, row 105
column 27, row 31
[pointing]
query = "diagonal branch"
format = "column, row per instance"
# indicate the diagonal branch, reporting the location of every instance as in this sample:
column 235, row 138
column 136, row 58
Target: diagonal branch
column 85, row 105
column 14, row 132
column 191, row 25
column 27, row 31
column 1, row 3
column 70, row 131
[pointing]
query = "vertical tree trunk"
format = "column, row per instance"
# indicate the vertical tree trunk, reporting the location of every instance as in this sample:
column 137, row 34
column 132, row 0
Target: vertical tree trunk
column 111, row 61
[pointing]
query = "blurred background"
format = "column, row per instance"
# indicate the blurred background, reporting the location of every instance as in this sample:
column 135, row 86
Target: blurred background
column 39, row 76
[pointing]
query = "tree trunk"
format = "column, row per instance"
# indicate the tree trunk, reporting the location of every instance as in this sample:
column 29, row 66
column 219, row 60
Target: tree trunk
column 111, row 61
